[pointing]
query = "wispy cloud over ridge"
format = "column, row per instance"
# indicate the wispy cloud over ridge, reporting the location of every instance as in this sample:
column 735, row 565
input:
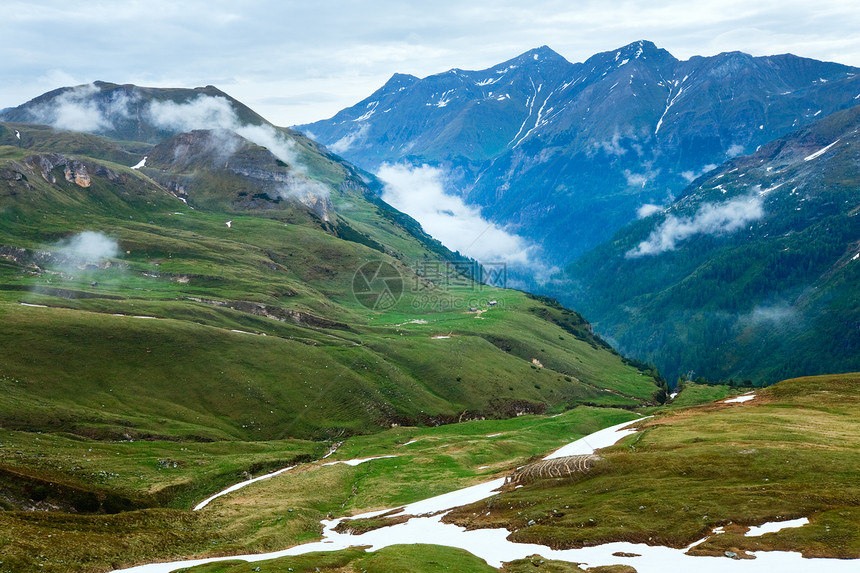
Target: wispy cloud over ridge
column 77, row 109
column 710, row 219
column 217, row 113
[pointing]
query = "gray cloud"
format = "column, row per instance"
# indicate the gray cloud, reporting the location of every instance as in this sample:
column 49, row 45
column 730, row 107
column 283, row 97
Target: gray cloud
column 734, row 150
column 710, row 219
column 351, row 51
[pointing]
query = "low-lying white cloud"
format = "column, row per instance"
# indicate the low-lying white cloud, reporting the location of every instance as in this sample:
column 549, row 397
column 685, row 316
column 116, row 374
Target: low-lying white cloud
column 691, row 175
column 647, row 210
column 77, row 109
column 216, row 113
column 734, row 150
column 89, row 247
column 775, row 315
column 637, row 179
column 710, row 219
column 346, row 142
column 420, row 192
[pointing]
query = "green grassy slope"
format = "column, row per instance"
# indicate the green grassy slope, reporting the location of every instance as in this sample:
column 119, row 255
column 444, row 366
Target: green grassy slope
column 327, row 364
column 264, row 516
column 189, row 354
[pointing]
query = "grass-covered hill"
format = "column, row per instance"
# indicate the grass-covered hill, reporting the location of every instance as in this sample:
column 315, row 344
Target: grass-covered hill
column 237, row 303
column 284, row 268
column 789, row 452
column 752, row 274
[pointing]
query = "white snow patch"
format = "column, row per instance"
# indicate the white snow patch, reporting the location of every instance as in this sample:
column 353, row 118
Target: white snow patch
column 359, row 461
column 602, row 439
column 142, row 316
column 488, row 81
column 774, row 526
column 673, row 395
column 139, row 164
column 740, row 399
column 492, row 544
column 17, row 134
column 246, row 332
column 43, row 306
column 494, row 435
column 229, row 224
column 371, row 110
column 239, row 485
column 410, row 442
column 820, row 152
column 441, row 336
column 769, row 189
column 854, row 258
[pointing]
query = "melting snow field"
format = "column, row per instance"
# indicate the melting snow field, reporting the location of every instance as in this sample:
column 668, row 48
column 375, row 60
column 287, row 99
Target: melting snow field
column 492, row 545
column 587, row 445
column 740, row 399
column 357, row 462
column 141, row 163
column 232, row 488
column 774, row 526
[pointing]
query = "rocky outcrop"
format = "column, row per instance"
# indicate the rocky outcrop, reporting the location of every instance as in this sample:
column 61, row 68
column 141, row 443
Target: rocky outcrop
column 74, row 171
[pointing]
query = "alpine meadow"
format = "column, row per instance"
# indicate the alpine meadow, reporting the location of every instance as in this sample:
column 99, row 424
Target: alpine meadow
column 595, row 317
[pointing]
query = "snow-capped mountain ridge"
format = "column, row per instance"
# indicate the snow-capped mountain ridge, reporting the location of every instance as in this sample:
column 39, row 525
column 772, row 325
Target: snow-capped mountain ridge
column 567, row 152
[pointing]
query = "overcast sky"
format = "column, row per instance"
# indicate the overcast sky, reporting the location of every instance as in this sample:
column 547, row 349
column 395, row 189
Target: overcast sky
column 300, row 61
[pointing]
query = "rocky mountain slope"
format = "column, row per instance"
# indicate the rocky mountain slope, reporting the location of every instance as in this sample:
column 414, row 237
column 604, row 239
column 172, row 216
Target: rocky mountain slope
column 565, row 154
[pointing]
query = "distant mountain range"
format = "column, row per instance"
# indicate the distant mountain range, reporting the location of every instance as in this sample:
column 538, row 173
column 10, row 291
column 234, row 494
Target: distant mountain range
column 566, row 154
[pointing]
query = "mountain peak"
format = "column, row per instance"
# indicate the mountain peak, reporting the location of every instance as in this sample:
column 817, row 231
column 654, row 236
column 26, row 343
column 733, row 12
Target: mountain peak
column 641, row 49
column 541, row 53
